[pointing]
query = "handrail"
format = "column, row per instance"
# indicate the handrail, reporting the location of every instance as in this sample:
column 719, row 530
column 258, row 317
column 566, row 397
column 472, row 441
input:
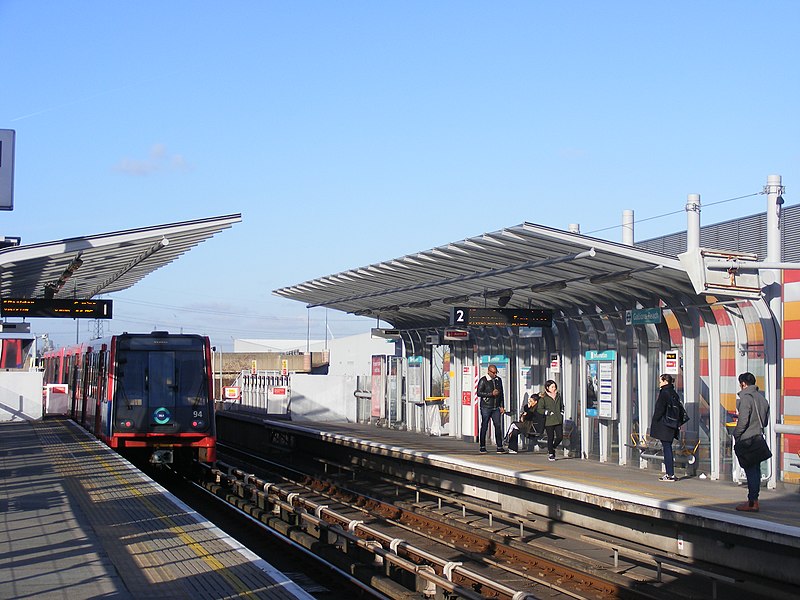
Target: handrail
column 788, row 429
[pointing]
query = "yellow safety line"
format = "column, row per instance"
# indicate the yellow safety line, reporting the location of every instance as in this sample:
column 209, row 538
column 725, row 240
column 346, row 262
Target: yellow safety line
column 196, row 546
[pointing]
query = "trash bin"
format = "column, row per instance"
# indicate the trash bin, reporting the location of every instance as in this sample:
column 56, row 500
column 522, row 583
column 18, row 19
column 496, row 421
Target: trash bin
column 433, row 416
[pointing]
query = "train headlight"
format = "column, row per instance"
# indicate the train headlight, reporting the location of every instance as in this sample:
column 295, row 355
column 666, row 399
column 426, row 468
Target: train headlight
column 126, row 424
column 198, row 424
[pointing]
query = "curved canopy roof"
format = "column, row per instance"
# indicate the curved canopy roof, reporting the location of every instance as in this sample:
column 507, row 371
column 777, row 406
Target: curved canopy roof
column 83, row 267
column 523, row 266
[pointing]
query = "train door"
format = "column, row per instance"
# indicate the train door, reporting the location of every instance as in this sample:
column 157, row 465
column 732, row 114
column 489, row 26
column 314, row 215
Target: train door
column 72, row 371
column 101, row 403
column 82, row 374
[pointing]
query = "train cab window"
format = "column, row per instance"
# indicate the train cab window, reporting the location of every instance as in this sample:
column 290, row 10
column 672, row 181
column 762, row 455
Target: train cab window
column 192, row 383
column 131, row 381
column 161, row 379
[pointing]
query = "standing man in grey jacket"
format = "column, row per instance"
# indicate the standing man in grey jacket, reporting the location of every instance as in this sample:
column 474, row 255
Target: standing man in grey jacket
column 753, row 410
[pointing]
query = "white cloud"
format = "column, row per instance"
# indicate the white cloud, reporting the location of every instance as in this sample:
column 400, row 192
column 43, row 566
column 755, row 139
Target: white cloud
column 157, row 160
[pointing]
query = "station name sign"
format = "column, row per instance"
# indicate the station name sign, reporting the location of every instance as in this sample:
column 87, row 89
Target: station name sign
column 643, row 316
column 55, row 308
column 500, row 317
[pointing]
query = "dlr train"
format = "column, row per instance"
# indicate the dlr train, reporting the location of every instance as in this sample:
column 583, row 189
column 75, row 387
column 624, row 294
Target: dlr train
column 147, row 395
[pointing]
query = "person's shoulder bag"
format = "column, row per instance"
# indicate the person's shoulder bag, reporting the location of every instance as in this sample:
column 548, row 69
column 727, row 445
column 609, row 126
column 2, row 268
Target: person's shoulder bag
column 753, row 450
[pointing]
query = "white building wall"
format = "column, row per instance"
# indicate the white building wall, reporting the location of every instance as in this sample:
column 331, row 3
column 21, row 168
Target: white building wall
column 21, row 395
column 256, row 345
column 331, row 397
column 353, row 355
column 323, row 398
column 327, row 397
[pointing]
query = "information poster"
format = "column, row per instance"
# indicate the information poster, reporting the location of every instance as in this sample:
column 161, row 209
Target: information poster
column 414, row 395
column 501, row 362
column 469, row 400
column 394, row 373
column 414, row 379
column 527, row 387
column 378, row 384
column 671, row 362
column 467, row 385
column 601, row 384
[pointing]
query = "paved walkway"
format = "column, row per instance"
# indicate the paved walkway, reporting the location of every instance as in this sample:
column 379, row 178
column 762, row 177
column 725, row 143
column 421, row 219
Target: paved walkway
column 78, row 521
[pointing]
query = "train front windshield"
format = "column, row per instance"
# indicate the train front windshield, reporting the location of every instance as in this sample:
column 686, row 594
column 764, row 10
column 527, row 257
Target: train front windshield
column 162, row 383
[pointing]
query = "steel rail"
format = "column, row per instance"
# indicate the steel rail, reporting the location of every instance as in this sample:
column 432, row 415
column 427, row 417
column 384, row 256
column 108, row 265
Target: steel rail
column 272, row 494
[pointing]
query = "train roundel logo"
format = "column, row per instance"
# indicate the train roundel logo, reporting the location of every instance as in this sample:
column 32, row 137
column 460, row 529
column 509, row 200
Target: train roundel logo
column 162, row 416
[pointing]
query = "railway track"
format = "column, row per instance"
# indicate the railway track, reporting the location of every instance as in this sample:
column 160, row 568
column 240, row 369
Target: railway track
column 389, row 537
column 376, row 535
column 395, row 538
column 404, row 539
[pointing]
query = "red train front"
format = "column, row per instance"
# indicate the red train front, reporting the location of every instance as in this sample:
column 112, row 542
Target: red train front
column 146, row 395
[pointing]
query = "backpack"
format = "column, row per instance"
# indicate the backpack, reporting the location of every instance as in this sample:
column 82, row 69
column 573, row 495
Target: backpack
column 675, row 415
column 672, row 416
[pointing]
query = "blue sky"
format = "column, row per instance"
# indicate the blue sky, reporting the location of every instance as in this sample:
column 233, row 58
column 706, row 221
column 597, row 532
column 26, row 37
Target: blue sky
column 347, row 133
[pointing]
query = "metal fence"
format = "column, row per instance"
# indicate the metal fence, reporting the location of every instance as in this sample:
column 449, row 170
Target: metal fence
column 266, row 392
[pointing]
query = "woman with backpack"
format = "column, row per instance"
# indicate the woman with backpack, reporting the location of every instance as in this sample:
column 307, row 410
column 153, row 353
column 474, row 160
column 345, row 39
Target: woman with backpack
column 664, row 425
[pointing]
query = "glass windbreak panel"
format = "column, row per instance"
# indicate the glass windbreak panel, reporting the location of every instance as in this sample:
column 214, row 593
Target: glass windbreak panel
column 613, row 434
column 703, row 411
column 752, row 347
column 633, row 407
column 636, row 399
column 594, row 439
column 653, row 384
column 440, row 379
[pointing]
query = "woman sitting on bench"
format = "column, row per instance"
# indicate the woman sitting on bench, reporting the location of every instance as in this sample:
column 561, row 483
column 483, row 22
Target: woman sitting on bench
column 530, row 423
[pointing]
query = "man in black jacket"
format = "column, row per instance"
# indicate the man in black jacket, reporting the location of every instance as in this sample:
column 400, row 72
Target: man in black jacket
column 490, row 391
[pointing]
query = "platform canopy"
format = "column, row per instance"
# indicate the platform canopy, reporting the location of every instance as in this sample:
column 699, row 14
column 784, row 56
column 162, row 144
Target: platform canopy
column 526, row 266
column 83, row 267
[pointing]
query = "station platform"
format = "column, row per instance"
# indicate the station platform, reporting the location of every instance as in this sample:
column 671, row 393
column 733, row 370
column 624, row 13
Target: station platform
column 692, row 518
column 711, row 499
column 79, row 521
